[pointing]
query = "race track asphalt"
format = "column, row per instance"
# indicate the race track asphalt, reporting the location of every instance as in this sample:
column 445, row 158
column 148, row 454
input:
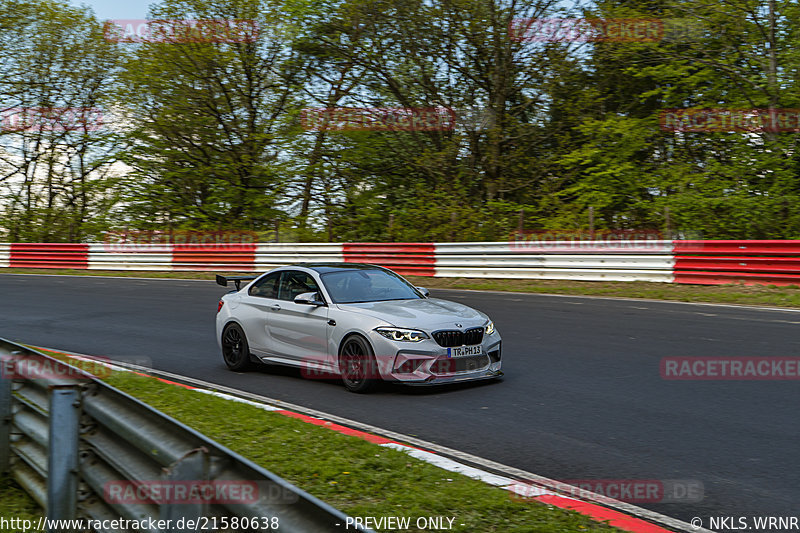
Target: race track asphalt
column 582, row 398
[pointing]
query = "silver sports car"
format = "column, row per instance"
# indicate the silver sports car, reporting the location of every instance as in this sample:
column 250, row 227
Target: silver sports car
column 363, row 323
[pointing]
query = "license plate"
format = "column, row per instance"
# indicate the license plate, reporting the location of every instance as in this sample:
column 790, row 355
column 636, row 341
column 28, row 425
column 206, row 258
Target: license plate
column 463, row 351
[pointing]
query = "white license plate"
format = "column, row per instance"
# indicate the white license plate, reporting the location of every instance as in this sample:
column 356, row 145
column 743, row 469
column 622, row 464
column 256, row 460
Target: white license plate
column 463, row 351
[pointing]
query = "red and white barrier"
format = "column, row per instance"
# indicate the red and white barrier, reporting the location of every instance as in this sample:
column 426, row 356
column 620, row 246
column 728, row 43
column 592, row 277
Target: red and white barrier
column 699, row 262
column 772, row 262
column 48, row 255
column 156, row 257
column 407, row 259
column 271, row 255
column 569, row 260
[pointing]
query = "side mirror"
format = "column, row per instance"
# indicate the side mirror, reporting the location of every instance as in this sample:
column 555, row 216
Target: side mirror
column 425, row 292
column 308, row 298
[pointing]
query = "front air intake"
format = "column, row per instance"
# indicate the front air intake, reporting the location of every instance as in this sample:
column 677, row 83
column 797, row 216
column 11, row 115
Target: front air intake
column 454, row 337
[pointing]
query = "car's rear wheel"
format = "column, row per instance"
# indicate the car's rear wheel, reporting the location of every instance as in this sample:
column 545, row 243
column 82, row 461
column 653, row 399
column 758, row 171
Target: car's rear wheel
column 357, row 365
column 235, row 349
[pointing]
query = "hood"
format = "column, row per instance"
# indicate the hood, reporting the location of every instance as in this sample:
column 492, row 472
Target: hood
column 430, row 313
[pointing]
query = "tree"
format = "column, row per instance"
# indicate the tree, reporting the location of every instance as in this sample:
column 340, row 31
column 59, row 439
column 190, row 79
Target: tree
column 208, row 119
column 57, row 147
column 456, row 56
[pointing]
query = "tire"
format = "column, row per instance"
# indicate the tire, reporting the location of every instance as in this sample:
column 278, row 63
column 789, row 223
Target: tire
column 235, row 350
column 357, row 365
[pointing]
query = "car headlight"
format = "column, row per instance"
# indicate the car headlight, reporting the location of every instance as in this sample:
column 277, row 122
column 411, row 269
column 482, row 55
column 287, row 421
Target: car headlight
column 489, row 328
column 401, row 334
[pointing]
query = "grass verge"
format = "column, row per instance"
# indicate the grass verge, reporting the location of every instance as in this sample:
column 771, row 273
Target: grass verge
column 763, row 295
column 15, row 502
column 355, row 476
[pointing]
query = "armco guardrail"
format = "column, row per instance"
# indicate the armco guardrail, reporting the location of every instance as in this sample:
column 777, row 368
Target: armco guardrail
column 698, row 262
column 634, row 260
column 726, row 261
column 84, row 450
column 569, row 260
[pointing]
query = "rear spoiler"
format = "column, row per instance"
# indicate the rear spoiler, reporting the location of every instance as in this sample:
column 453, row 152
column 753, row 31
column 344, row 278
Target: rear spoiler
column 237, row 280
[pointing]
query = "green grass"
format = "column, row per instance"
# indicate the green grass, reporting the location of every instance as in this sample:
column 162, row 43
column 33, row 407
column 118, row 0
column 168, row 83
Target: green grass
column 763, row 295
column 15, row 502
column 355, row 476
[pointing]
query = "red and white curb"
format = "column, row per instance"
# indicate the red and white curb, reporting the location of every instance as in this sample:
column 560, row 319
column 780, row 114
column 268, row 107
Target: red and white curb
column 619, row 514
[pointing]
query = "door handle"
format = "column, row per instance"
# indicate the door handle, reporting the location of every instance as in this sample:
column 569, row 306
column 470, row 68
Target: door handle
column 275, row 307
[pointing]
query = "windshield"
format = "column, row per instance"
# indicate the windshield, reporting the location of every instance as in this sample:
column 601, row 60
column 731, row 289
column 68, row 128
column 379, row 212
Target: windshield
column 356, row 286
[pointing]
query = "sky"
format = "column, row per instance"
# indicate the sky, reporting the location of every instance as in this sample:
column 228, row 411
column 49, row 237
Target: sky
column 114, row 9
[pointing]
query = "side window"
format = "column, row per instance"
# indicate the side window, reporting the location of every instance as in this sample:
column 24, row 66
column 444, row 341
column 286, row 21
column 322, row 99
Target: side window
column 294, row 283
column 266, row 287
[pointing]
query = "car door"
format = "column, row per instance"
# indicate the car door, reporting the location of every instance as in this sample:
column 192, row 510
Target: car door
column 298, row 331
column 261, row 296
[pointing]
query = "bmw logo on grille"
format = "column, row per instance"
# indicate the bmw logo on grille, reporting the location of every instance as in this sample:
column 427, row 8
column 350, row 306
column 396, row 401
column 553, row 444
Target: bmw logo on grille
column 458, row 325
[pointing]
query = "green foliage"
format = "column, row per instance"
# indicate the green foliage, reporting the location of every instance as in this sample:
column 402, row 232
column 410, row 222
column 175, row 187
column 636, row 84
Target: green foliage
column 15, row 503
column 208, row 121
column 57, row 142
column 210, row 134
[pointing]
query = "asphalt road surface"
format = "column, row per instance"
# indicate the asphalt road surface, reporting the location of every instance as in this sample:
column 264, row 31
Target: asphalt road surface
column 582, row 398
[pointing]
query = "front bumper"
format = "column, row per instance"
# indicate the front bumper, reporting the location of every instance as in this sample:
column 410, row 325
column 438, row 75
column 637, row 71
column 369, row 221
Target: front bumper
column 446, row 380
column 427, row 363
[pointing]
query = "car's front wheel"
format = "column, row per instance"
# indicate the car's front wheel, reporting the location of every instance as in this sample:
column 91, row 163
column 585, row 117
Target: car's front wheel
column 235, row 349
column 357, row 365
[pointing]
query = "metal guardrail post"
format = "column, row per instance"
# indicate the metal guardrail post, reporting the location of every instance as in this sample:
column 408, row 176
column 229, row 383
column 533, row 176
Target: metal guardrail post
column 62, row 453
column 127, row 441
column 192, row 467
column 5, row 412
